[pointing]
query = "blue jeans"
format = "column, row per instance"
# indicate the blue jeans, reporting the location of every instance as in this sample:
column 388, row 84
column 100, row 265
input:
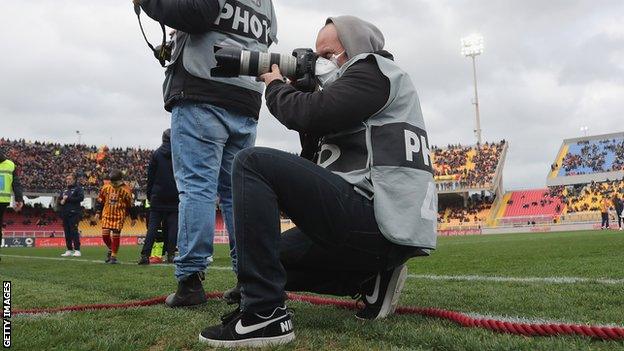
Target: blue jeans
column 204, row 141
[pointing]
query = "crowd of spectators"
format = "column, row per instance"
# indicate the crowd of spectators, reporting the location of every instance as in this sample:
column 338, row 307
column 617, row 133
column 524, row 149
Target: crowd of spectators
column 43, row 166
column 593, row 156
column 588, row 197
column 460, row 167
column 472, row 213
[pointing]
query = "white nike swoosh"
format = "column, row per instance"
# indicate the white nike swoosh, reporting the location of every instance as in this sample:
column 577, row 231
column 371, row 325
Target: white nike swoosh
column 375, row 294
column 241, row 330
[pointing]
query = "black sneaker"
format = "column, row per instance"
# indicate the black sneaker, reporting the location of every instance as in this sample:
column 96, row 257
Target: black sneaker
column 113, row 260
column 190, row 292
column 385, row 296
column 108, row 256
column 241, row 329
column 143, row 260
column 233, row 295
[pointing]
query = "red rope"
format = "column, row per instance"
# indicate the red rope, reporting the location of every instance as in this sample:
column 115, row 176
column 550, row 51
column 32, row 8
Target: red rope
column 526, row 329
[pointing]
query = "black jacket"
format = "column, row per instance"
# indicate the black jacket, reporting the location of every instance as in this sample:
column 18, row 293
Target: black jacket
column 192, row 16
column 75, row 195
column 357, row 95
column 619, row 205
column 162, row 191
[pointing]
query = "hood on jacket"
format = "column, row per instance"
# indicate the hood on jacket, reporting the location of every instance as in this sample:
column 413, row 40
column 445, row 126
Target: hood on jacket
column 357, row 36
column 165, row 147
column 166, row 136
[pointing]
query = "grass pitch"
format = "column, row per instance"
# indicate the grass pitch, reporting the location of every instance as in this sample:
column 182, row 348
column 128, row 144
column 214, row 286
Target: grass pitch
column 471, row 274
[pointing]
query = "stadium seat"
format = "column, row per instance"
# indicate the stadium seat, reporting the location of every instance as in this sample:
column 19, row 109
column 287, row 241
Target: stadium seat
column 538, row 205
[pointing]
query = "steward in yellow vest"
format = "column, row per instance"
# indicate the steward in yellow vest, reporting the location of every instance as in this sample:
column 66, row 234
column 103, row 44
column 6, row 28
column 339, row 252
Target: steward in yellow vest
column 9, row 183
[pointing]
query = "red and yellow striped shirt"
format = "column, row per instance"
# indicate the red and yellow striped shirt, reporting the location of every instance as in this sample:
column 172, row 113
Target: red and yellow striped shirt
column 116, row 202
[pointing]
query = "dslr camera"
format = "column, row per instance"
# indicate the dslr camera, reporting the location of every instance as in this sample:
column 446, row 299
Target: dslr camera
column 299, row 67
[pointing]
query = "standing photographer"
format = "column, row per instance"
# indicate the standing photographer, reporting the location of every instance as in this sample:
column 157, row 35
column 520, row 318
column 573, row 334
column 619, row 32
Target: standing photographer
column 373, row 146
column 212, row 119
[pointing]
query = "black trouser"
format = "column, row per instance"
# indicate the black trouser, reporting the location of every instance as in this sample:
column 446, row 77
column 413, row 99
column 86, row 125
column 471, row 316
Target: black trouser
column 336, row 248
column 169, row 222
column 70, row 227
column 3, row 207
column 619, row 218
column 605, row 220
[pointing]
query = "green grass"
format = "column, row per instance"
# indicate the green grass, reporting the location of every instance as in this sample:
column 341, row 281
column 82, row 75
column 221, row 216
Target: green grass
column 51, row 283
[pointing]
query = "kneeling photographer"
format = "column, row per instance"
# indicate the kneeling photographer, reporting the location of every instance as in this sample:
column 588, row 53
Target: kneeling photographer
column 366, row 206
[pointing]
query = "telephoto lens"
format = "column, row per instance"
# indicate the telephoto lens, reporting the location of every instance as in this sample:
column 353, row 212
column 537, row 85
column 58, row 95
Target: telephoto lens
column 234, row 62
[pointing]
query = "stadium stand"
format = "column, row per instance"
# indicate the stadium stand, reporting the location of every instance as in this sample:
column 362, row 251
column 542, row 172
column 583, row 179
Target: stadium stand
column 89, row 227
column 590, row 155
column 458, row 166
column 452, row 213
column 586, row 170
column 37, row 221
column 529, row 207
column 43, row 166
column 583, row 202
column 468, row 179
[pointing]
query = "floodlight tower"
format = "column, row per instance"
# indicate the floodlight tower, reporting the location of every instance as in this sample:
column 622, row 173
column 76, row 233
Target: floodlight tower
column 584, row 129
column 472, row 46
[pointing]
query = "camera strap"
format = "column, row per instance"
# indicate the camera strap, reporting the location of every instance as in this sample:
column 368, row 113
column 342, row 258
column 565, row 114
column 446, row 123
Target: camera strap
column 160, row 54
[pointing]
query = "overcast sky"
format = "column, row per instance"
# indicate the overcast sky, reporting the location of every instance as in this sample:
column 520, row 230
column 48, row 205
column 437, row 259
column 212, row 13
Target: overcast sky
column 549, row 67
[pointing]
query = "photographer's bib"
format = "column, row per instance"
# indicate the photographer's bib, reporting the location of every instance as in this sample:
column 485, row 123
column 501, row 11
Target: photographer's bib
column 247, row 24
column 387, row 159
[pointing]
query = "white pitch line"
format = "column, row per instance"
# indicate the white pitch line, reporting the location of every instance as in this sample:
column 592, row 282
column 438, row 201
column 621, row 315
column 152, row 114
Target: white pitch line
column 477, row 278
column 499, row 279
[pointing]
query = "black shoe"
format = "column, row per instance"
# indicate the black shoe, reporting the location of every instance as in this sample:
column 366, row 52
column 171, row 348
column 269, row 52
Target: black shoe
column 170, row 258
column 241, row 329
column 113, row 260
column 143, row 260
column 190, row 292
column 385, row 296
column 108, row 256
column 233, row 295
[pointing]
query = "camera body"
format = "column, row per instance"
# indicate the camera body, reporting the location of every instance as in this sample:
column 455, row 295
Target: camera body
column 299, row 67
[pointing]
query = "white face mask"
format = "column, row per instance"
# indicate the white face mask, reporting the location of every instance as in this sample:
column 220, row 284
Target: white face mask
column 327, row 70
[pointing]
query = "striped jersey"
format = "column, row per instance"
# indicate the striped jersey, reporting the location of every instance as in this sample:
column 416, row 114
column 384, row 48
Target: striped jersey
column 116, row 202
column 604, row 205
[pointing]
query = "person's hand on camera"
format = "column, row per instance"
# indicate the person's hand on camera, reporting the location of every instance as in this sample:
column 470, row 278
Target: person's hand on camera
column 275, row 74
column 97, row 216
column 18, row 206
